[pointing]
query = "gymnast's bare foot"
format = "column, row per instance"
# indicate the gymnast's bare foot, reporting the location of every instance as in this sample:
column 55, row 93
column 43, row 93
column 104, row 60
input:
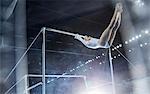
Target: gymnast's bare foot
column 119, row 7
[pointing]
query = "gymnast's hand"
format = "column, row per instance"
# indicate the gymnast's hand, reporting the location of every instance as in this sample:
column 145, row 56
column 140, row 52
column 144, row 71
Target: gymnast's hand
column 87, row 38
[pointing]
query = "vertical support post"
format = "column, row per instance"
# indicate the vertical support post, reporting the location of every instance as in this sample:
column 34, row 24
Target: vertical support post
column 43, row 62
column 85, row 81
column 112, row 72
column 26, row 84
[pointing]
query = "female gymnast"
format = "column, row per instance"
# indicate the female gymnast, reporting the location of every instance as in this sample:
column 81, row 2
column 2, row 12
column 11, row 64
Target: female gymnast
column 107, row 37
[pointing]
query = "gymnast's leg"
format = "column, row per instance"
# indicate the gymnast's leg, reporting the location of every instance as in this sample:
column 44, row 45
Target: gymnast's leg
column 113, row 34
column 105, row 37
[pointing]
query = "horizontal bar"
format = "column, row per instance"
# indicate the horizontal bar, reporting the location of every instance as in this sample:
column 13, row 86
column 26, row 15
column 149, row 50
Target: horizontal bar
column 60, row 31
column 34, row 86
column 58, row 76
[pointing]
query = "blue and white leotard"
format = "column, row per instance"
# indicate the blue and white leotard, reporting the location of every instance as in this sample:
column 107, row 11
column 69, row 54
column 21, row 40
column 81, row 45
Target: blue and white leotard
column 93, row 43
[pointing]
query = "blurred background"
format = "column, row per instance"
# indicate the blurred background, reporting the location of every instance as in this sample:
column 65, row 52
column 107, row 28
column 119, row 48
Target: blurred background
column 22, row 20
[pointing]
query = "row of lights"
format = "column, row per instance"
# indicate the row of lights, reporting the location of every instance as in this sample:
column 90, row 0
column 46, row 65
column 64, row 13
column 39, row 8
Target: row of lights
column 87, row 62
column 139, row 3
column 116, row 56
column 133, row 39
column 81, row 65
column 117, row 47
column 146, row 32
column 130, row 40
column 141, row 45
column 145, row 44
column 136, row 37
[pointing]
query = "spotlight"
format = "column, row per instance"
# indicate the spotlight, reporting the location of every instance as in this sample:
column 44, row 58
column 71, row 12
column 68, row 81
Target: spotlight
column 141, row 45
column 86, row 62
column 129, row 50
column 120, row 45
column 130, row 40
column 145, row 43
column 133, row 38
column 117, row 46
column 146, row 31
column 93, row 59
column 126, row 42
column 89, row 60
column 140, row 35
column 97, row 57
column 137, row 37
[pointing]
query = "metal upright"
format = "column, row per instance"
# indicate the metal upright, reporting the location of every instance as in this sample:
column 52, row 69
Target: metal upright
column 112, row 72
column 43, row 62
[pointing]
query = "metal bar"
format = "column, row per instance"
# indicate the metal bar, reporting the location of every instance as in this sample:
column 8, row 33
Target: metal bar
column 19, row 61
column 26, row 84
column 14, row 85
column 34, row 86
column 43, row 63
column 60, row 31
column 10, row 9
column 58, row 76
column 112, row 72
column 85, row 81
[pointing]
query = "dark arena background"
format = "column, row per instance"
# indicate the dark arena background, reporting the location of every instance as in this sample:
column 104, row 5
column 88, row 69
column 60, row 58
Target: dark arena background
column 34, row 60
